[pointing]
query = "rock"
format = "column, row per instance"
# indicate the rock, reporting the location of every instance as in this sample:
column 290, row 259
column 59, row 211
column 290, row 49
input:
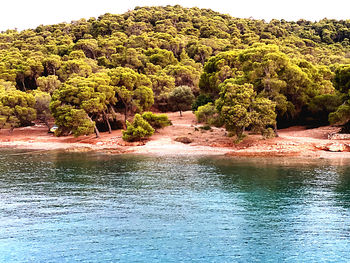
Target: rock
column 336, row 147
column 323, row 147
column 185, row 140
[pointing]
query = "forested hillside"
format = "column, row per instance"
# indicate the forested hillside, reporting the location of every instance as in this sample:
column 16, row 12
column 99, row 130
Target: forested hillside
column 254, row 74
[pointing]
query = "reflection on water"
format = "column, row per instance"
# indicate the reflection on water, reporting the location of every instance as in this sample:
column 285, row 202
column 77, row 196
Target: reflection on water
column 61, row 207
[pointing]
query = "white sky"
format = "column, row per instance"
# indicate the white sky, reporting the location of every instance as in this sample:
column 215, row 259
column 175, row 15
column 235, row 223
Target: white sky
column 22, row 14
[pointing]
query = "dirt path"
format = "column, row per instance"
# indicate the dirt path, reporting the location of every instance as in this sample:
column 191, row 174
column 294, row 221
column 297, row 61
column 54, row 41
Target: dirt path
column 294, row 141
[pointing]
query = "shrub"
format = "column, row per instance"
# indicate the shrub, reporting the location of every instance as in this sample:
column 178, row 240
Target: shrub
column 269, row 133
column 137, row 130
column 208, row 114
column 204, row 112
column 157, row 121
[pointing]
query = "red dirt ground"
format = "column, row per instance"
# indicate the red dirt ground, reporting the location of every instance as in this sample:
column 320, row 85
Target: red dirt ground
column 294, row 141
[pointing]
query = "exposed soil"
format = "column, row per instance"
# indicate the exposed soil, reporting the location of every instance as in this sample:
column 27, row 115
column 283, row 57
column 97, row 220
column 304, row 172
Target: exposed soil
column 294, row 141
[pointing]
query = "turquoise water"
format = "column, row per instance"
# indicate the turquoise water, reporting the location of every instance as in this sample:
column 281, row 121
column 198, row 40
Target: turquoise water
column 61, row 207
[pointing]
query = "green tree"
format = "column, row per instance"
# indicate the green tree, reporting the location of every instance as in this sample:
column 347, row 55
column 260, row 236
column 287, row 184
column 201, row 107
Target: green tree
column 181, row 98
column 17, row 108
column 321, row 106
column 48, row 84
column 52, row 63
column 71, row 121
column 199, row 52
column 341, row 115
column 201, row 100
column 127, row 57
column 342, row 78
column 133, row 90
column 42, row 106
column 28, row 70
column 291, row 84
column 290, row 63
column 89, row 46
column 161, row 57
column 240, row 108
column 94, row 95
column 162, row 85
column 185, row 75
column 77, row 64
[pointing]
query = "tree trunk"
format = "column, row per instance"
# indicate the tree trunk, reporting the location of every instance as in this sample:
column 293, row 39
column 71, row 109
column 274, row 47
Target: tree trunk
column 95, row 128
column 239, row 135
column 109, row 125
column 24, row 86
column 114, row 114
column 275, row 129
column 97, row 132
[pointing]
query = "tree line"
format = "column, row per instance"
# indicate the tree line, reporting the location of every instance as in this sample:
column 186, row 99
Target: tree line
column 241, row 73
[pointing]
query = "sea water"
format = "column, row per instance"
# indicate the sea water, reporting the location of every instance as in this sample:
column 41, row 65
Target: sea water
column 91, row 207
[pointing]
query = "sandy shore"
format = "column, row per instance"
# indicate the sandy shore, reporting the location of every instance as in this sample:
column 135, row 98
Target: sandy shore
column 294, row 141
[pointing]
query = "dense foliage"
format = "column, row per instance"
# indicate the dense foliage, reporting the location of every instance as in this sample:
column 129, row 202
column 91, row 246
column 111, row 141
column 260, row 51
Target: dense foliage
column 181, row 99
column 91, row 70
column 17, row 108
column 241, row 108
column 137, row 130
column 157, row 121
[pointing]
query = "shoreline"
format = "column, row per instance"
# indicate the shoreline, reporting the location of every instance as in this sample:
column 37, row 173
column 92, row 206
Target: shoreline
column 166, row 147
column 258, row 158
column 293, row 142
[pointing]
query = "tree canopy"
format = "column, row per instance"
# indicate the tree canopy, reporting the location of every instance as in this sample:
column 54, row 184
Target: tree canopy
column 91, row 69
column 240, row 108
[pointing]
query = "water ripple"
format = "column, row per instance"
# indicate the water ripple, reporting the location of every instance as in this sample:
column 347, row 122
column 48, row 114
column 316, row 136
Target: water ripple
column 61, row 207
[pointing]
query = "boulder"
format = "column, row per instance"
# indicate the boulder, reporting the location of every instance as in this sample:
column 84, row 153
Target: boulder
column 185, row 140
column 336, row 147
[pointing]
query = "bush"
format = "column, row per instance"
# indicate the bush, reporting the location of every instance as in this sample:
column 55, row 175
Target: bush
column 208, row 114
column 157, row 121
column 137, row 130
column 269, row 133
column 203, row 113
